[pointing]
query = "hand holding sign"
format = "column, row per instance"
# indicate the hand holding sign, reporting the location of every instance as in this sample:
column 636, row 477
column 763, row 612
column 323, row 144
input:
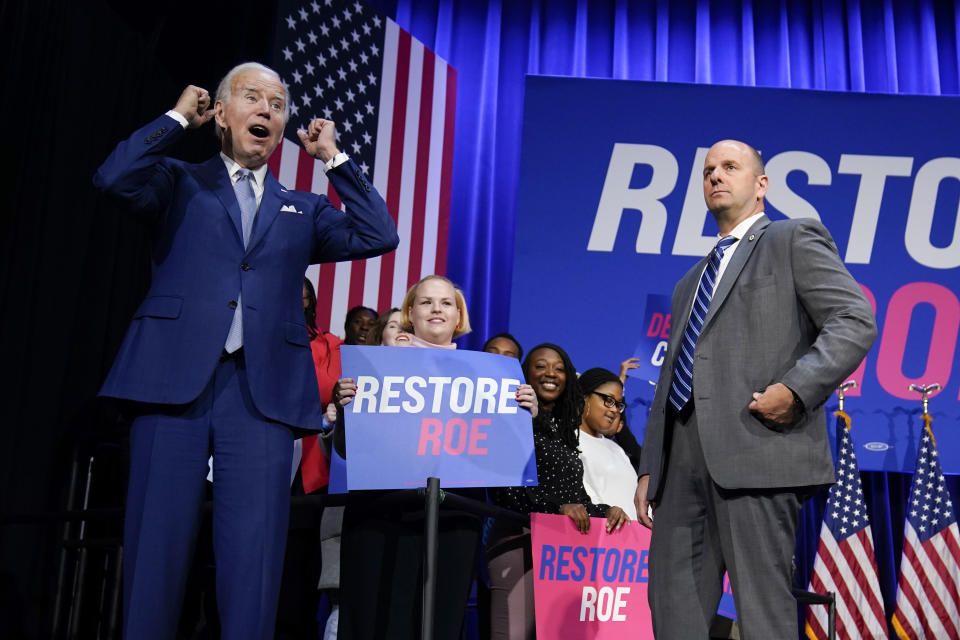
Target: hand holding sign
column 577, row 513
column 616, row 518
column 343, row 392
column 527, row 398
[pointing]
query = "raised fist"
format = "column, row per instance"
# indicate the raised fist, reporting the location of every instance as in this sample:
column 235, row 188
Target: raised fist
column 194, row 105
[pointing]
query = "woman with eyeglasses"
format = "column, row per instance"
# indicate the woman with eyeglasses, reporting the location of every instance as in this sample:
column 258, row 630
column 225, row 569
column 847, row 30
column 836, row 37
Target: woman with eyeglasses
column 608, row 476
column 548, row 370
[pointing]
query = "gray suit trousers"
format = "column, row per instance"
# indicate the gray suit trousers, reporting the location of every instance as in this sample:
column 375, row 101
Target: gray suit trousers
column 701, row 530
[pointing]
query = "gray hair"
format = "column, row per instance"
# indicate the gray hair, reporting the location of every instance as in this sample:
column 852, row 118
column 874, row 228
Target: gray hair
column 225, row 89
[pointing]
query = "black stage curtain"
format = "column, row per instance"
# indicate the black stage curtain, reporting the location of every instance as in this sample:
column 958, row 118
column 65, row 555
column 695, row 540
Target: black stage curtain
column 77, row 78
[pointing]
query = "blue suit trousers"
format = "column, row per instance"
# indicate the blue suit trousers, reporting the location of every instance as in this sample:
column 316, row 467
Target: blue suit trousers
column 169, row 448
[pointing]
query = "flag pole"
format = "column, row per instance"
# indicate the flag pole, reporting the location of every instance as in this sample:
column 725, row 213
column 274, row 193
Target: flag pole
column 845, row 584
column 927, row 596
column 841, row 390
column 925, row 391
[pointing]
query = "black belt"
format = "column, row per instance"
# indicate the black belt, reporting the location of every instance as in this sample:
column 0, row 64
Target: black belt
column 236, row 355
column 683, row 415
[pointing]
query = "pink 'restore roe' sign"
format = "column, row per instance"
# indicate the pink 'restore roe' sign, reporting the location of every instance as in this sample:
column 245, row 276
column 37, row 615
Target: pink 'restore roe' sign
column 591, row 586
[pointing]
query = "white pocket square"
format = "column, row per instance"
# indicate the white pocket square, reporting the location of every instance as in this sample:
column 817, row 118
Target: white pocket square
column 290, row 208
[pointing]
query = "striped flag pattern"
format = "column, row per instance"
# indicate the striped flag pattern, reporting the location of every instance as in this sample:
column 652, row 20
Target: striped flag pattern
column 846, row 564
column 928, row 588
column 393, row 102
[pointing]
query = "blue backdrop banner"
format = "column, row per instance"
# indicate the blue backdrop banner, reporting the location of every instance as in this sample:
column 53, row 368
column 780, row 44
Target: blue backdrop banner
column 615, row 205
column 441, row 413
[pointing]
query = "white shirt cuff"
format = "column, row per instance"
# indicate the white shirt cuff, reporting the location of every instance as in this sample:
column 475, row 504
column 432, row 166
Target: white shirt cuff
column 335, row 161
column 179, row 118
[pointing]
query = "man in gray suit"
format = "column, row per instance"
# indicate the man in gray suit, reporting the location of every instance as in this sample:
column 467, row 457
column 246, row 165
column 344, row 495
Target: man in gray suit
column 764, row 329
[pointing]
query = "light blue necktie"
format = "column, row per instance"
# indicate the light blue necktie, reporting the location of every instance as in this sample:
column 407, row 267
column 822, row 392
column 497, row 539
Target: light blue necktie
column 682, row 385
column 248, row 211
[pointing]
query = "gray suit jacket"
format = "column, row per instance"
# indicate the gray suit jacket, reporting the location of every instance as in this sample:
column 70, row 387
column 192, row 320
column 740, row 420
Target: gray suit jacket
column 786, row 310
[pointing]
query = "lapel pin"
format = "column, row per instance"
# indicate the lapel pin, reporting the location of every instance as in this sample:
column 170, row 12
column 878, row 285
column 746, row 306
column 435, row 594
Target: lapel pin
column 752, row 236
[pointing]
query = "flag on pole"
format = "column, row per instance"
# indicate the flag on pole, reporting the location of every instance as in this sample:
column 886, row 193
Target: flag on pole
column 928, row 588
column 846, row 564
column 393, row 103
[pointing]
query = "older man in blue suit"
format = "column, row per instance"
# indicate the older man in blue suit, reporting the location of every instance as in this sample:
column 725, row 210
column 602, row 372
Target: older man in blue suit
column 217, row 357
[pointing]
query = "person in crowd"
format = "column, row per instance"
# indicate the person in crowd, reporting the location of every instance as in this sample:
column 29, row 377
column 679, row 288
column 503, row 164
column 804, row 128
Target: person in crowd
column 382, row 543
column 388, row 330
column 608, row 476
column 297, row 613
column 357, row 324
column 324, row 345
column 623, row 435
column 504, row 344
column 765, row 327
column 216, row 360
column 547, row 368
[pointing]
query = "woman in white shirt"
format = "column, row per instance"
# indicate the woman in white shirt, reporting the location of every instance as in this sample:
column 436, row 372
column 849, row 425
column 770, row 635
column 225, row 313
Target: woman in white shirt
column 608, row 476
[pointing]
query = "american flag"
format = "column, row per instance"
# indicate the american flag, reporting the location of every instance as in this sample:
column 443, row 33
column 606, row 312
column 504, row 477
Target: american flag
column 845, row 562
column 393, row 103
column 928, row 589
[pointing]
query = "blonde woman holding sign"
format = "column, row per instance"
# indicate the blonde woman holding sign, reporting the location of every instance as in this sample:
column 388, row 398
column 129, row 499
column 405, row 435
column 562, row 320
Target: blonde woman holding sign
column 382, row 545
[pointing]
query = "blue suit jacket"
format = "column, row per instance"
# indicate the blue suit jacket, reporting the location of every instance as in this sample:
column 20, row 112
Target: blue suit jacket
column 199, row 265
